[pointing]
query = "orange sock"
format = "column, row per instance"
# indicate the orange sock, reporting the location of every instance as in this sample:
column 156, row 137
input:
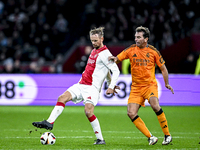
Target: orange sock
column 141, row 126
column 163, row 121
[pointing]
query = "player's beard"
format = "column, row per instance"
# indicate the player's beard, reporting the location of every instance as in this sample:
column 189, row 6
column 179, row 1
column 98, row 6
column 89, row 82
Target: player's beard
column 96, row 46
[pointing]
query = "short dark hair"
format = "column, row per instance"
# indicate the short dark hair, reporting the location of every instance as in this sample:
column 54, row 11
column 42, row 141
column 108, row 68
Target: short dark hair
column 146, row 32
column 98, row 31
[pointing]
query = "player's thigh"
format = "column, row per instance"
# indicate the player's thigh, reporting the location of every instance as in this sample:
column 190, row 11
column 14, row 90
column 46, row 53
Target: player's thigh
column 150, row 91
column 136, row 97
column 90, row 95
column 75, row 91
column 65, row 97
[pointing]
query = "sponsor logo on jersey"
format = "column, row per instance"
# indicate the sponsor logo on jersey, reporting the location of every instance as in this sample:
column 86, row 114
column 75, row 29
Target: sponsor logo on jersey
column 91, row 61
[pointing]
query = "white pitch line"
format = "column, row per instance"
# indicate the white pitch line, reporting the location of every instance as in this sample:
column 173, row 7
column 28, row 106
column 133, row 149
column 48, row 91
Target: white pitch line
column 80, row 137
column 87, row 131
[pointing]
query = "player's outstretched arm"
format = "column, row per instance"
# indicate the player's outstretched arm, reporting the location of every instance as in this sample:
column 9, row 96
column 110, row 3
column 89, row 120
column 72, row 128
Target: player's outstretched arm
column 165, row 76
column 113, row 58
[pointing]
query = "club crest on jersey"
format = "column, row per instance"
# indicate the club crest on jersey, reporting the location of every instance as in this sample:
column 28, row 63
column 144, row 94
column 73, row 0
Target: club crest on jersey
column 89, row 97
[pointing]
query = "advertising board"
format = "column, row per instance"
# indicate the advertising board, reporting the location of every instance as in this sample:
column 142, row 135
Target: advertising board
column 44, row 89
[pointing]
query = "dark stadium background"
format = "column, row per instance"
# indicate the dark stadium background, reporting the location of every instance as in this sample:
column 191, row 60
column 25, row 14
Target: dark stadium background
column 49, row 36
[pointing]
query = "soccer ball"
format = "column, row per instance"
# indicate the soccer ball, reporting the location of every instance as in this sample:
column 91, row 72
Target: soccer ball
column 48, row 138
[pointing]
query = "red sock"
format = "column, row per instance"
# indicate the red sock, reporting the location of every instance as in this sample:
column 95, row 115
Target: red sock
column 60, row 104
column 92, row 118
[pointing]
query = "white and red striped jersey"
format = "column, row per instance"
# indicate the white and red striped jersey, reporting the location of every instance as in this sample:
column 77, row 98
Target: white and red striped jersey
column 97, row 69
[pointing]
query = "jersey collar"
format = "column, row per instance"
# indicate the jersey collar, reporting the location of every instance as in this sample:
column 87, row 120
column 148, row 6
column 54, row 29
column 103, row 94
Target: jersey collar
column 101, row 49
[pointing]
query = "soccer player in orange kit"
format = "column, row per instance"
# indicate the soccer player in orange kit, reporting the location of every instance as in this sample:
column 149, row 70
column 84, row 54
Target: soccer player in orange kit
column 143, row 58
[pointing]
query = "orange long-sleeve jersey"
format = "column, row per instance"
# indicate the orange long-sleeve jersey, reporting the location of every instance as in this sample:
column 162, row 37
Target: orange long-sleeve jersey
column 142, row 63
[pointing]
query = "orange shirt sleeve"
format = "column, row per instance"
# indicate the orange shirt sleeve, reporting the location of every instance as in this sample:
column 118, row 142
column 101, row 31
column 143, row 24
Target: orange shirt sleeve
column 159, row 59
column 123, row 55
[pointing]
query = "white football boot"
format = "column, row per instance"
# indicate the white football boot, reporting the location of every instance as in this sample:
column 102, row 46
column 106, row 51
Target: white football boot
column 167, row 140
column 152, row 140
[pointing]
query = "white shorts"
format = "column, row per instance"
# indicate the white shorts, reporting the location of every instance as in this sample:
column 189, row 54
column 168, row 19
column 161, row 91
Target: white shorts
column 85, row 93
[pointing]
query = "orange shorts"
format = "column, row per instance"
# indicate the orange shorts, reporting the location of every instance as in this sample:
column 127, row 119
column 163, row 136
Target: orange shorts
column 139, row 94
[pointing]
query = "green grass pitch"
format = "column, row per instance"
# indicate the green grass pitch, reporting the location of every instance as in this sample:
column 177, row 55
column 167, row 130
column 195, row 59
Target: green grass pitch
column 73, row 130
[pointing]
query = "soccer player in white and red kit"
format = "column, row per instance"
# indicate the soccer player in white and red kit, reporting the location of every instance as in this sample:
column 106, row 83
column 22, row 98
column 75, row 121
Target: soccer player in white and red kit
column 88, row 88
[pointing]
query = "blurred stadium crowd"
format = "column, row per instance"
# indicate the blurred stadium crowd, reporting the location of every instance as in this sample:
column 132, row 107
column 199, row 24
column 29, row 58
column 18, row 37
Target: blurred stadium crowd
column 35, row 34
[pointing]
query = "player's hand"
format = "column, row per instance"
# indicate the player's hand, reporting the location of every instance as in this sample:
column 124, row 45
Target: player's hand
column 170, row 88
column 109, row 91
column 112, row 91
column 112, row 58
column 116, row 87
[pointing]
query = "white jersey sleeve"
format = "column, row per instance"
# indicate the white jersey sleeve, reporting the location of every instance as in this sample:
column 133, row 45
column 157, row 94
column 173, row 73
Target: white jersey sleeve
column 108, row 78
column 111, row 66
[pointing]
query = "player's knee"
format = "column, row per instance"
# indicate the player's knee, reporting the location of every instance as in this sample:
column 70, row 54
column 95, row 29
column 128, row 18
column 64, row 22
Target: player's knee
column 154, row 104
column 131, row 115
column 89, row 110
column 155, row 108
column 61, row 99
column 88, row 113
